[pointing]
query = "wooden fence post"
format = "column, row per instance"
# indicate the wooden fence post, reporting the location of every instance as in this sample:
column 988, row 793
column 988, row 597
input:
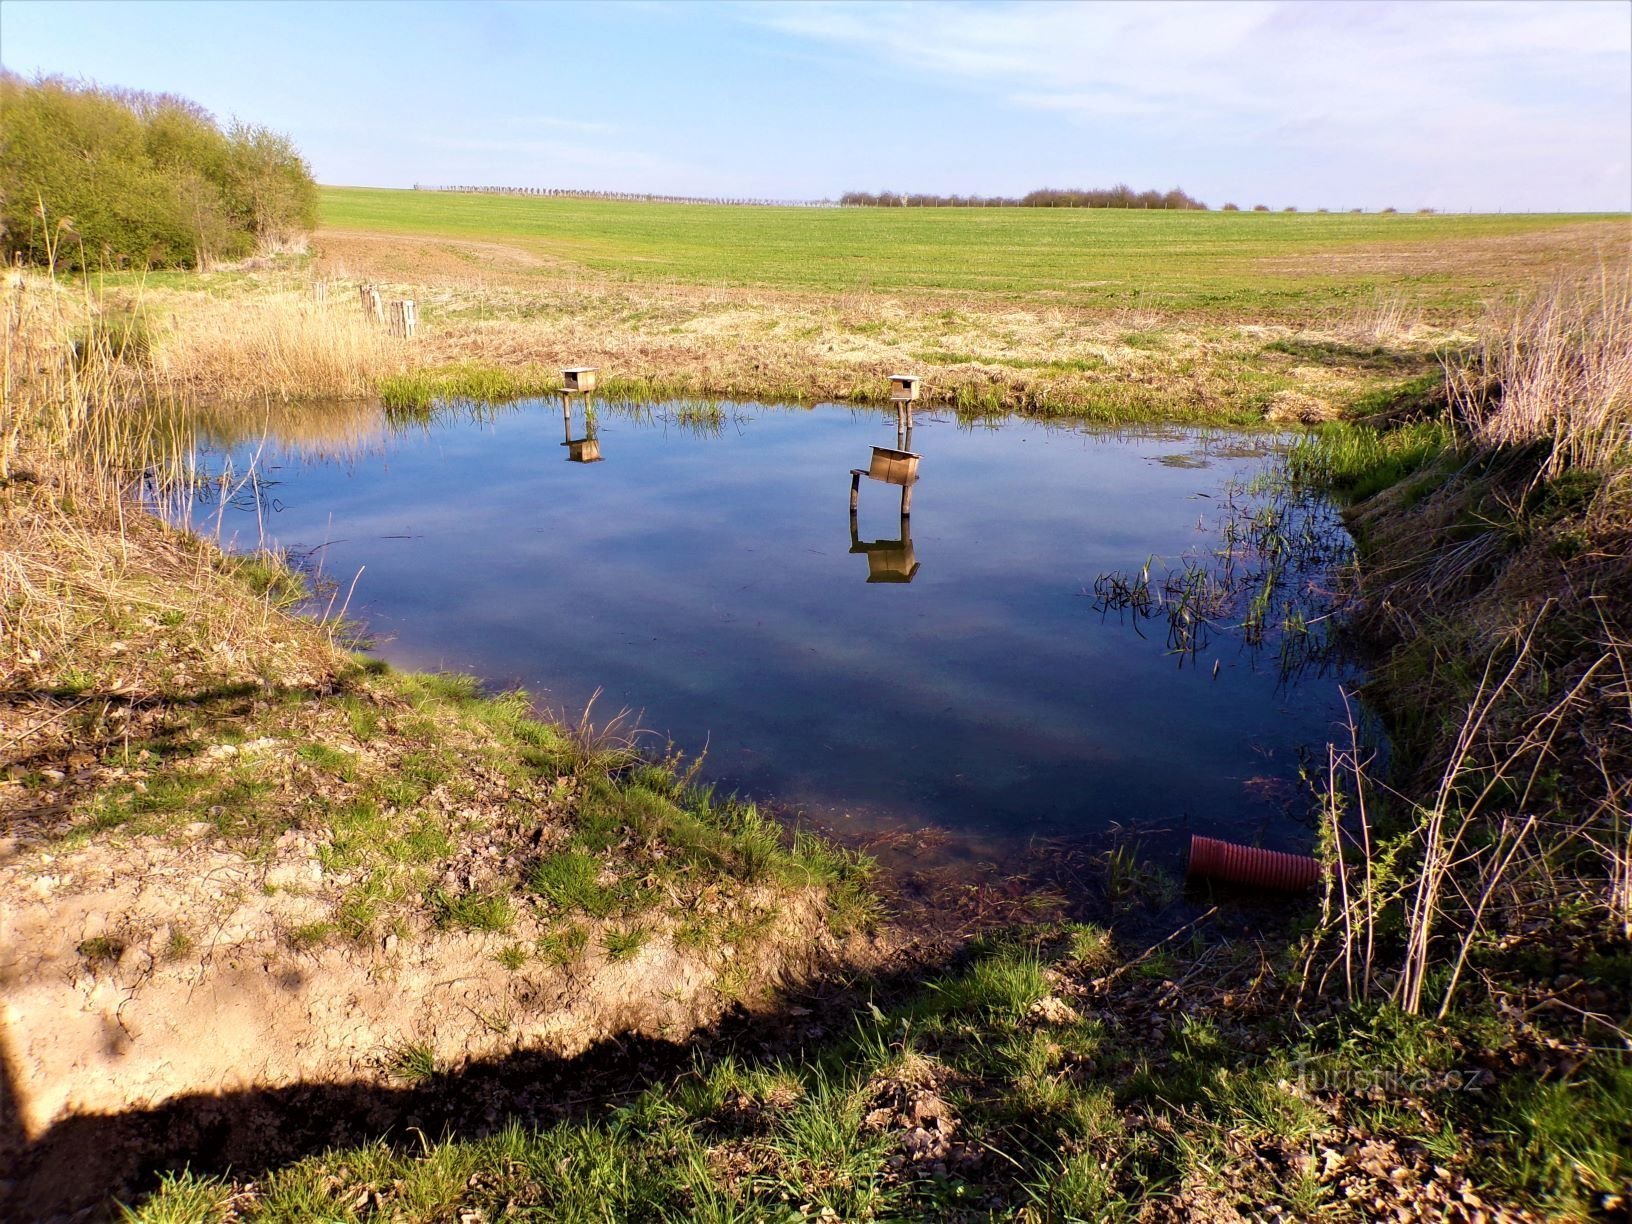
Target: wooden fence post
column 404, row 319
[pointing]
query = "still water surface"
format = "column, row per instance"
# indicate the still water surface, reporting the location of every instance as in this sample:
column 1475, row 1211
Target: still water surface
column 709, row 578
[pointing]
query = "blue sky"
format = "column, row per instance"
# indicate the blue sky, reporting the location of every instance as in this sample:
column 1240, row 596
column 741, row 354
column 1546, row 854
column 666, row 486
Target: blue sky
column 1501, row 105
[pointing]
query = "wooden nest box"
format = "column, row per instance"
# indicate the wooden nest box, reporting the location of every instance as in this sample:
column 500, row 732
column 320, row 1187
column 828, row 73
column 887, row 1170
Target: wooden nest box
column 904, row 388
column 897, row 467
column 579, row 378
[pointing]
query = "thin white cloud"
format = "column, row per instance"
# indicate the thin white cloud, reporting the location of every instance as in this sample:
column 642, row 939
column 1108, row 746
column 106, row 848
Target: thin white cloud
column 1435, row 89
column 559, row 124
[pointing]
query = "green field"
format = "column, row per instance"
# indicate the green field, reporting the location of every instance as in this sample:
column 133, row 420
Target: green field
column 1212, row 262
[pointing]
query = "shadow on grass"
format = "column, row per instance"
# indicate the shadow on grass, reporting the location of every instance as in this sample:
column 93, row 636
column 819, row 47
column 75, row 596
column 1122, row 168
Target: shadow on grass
column 163, row 724
column 1337, row 354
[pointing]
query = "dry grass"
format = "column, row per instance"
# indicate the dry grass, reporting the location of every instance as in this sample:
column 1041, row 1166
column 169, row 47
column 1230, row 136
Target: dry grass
column 1497, row 587
column 977, row 354
column 1563, row 363
column 262, row 335
column 105, row 600
column 285, row 345
column 1407, row 903
column 62, row 364
column 96, row 596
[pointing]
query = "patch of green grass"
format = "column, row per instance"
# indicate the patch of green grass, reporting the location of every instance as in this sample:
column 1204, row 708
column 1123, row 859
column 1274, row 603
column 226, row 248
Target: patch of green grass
column 472, row 911
column 1571, row 1138
column 1131, row 879
column 102, row 949
column 357, row 831
column 359, row 909
column 425, row 771
column 424, row 841
column 564, row 946
column 1079, row 1187
column 73, row 681
column 1091, row 946
column 412, row 1061
column 170, row 791
column 511, row 956
column 1005, row 983
column 1339, row 353
column 572, row 881
column 834, row 1162
column 1358, row 460
column 333, row 760
column 184, row 1198
column 178, row 945
column 269, row 576
column 311, row 935
column 417, row 394
column 623, row 943
column 237, row 808
column 362, row 716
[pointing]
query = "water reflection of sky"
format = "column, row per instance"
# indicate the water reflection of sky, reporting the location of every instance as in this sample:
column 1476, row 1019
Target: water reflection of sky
column 708, row 582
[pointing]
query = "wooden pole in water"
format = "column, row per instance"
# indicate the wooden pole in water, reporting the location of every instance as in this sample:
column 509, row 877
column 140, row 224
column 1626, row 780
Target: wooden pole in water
column 855, row 492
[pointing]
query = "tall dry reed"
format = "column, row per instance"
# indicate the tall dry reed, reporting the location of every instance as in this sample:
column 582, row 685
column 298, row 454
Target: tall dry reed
column 1560, row 364
column 96, row 595
column 64, row 374
column 283, row 346
column 1405, row 908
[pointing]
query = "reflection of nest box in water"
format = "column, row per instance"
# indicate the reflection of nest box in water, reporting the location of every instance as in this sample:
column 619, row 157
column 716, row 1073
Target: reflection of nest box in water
column 586, row 449
column 891, row 560
column 583, row 450
column 579, row 378
column 887, row 560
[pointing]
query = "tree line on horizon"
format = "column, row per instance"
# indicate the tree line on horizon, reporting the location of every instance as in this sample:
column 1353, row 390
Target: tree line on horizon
column 105, row 177
column 1120, row 196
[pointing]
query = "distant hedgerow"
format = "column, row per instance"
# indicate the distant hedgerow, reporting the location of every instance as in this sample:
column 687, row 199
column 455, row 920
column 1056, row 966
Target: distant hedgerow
column 1120, row 196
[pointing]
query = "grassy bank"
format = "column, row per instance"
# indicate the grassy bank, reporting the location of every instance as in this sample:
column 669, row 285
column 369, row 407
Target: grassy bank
column 484, row 341
column 1493, row 587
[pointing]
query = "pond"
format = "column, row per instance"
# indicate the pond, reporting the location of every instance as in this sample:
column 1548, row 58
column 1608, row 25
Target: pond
column 1075, row 630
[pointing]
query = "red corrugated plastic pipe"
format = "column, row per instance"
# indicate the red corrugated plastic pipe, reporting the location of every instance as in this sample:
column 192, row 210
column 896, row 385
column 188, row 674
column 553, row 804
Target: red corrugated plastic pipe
column 1221, row 860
